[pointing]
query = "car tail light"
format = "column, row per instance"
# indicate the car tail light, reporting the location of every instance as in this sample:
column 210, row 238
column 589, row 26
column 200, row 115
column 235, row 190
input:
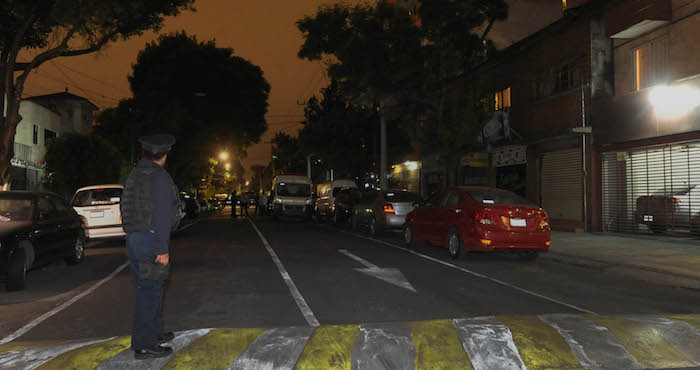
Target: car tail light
column 485, row 241
column 544, row 223
column 547, row 243
column 676, row 200
column 388, row 208
column 483, row 218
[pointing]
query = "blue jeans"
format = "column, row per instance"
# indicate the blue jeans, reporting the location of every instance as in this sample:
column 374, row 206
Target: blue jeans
column 148, row 307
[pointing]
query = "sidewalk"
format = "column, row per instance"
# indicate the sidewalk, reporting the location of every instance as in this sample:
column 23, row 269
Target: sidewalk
column 665, row 255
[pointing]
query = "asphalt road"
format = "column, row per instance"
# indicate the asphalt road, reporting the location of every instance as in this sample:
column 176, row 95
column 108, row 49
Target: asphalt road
column 224, row 275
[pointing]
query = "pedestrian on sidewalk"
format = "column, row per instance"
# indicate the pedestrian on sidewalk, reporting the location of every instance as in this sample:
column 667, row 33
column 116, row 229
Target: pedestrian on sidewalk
column 245, row 202
column 234, row 202
column 262, row 204
column 149, row 208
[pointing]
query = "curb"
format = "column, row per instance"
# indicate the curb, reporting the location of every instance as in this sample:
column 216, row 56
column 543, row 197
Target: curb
column 561, row 341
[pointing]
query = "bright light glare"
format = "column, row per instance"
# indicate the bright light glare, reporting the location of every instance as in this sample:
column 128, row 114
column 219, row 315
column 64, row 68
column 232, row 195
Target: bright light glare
column 247, row 183
column 228, row 166
column 671, row 102
column 223, row 155
column 412, row 166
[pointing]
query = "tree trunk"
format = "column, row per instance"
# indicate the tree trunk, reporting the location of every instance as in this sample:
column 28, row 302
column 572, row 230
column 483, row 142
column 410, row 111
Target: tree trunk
column 7, row 139
column 383, row 165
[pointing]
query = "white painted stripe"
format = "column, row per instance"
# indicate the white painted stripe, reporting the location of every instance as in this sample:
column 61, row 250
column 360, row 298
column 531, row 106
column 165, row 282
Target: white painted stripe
column 595, row 347
column 682, row 336
column 526, row 291
column 489, row 344
column 276, row 349
column 359, row 259
column 305, row 309
column 383, row 346
column 186, row 226
column 126, row 360
column 21, row 331
column 31, row 358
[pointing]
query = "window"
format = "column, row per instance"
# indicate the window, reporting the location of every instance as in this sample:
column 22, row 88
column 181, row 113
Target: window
column 62, row 209
column 502, row 99
column 650, row 63
column 35, row 136
column 48, row 136
column 452, row 200
column 46, row 208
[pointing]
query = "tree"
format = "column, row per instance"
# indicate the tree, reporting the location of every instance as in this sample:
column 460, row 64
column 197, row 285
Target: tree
column 287, row 155
column 74, row 160
column 210, row 99
column 62, row 28
column 369, row 46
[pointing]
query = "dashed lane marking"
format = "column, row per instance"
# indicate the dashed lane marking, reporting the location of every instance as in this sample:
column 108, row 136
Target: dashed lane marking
column 216, row 350
column 88, row 357
column 644, row 342
column 540, row 346
column 330, row 347
column 21, row 331
column 473, row 273
column 438, row 346
column 305, row 309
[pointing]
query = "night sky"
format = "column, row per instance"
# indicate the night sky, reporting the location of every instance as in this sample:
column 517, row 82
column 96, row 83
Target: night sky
column 264, row 32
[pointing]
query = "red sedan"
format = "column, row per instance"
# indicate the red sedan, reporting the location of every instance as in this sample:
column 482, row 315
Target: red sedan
column 479, row 219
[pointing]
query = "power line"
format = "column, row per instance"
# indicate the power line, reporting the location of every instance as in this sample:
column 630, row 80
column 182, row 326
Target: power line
column 104, row 98
column 88, row 76
column 69, row 79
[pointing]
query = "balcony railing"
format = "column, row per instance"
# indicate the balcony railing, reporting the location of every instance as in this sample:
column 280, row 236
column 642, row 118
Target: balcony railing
column 23, row 152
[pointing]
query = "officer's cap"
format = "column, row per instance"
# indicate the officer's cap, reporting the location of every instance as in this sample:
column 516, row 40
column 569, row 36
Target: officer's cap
column 157, row 143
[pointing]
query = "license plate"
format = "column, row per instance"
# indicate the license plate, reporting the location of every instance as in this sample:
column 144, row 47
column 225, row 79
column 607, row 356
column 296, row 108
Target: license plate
column 97, row 214
column 518, row 222
column 648, row 218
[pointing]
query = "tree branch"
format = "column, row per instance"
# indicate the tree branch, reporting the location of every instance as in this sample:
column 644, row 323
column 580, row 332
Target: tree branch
column 487, row 30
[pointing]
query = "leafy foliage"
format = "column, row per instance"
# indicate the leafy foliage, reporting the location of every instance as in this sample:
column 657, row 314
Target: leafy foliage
column 75, row 160
column 290, row 158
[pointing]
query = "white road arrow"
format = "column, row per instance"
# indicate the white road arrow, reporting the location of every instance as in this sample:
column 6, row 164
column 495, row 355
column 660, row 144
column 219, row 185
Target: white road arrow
column 390, row 275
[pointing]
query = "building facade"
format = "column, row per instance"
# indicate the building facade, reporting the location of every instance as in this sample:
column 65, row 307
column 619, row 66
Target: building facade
column 43, row 118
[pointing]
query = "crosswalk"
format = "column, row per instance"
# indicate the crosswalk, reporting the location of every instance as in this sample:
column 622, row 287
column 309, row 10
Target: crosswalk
column 553, row 341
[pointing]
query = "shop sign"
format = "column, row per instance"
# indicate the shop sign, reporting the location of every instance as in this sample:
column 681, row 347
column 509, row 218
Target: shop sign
column 475, row 159
column 509, row 155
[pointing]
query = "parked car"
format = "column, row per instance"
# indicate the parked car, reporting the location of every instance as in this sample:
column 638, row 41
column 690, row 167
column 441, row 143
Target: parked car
column 678, row 208
column 479, row 219
column 192, row 207
column 99, row 207
column 345, row 204
column 326, row 196
column 292, row 196
column 382, row 210
column 36, row 228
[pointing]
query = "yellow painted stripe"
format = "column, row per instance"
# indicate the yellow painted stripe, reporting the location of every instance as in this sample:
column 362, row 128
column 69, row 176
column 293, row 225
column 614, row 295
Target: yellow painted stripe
column 14, row 346
column 540, row 345
column 643, row 342
column 693, row 320
column 438, row 346
column 218, row 349
column 330, row 347
column 88, row 357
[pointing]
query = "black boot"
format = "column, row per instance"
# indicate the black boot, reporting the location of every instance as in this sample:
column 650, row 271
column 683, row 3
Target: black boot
column 166, row 337
column 155, row 352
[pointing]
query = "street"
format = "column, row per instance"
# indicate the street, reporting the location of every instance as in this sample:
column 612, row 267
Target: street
column 224, row 276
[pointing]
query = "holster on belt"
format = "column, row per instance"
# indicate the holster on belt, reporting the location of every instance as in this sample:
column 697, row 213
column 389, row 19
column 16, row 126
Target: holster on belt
column 152, row 270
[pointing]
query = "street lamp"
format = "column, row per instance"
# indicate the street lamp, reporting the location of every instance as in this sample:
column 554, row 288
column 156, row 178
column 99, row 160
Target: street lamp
column 247, row 183
column 228, row 166
column 223, row 155
column 672, row 102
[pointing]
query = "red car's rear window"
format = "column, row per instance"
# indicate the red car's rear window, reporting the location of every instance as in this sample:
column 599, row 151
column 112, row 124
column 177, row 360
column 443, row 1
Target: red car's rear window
column 499, row 198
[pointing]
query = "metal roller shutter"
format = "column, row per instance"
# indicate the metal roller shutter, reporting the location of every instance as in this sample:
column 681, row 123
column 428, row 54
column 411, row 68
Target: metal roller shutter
column 652, row 189
column 562, row 185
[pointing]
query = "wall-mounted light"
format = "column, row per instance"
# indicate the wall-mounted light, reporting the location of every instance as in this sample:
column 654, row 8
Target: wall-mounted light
column 673, row 102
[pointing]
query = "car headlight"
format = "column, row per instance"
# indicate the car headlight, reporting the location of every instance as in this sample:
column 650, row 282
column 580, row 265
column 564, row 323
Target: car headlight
column 278, row 201
column 309, row 202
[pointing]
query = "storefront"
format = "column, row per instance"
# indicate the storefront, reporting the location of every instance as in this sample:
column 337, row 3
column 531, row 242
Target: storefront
column 561, row 187
column 406, row 176
column 510, row 163
column 474, row 169
column 651, row 189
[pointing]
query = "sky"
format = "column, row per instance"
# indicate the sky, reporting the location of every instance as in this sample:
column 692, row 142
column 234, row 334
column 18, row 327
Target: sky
column 263, row 32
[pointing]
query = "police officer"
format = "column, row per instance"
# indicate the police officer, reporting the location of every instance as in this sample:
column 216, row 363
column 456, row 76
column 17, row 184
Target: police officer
column 149, row 209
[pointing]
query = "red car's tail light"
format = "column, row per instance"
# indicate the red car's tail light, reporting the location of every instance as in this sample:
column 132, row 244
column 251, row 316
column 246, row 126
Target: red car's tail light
column 485, row 241
column 544, row 223
column 483, row 218
column 676, row 200
column 547, row 243
column 388, row 208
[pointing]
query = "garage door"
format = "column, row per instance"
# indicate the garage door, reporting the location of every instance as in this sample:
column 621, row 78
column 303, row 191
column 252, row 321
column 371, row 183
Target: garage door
column 653, row 189
column 562, row 185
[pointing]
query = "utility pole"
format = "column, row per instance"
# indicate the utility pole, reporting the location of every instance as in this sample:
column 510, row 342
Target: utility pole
column 383, row 183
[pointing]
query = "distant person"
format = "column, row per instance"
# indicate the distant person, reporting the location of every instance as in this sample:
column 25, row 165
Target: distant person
column 262, row 204
column 234, row 201
column 245, row 202
column 150, row 210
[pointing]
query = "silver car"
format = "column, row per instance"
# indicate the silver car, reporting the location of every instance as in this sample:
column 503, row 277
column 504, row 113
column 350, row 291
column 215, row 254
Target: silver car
column 382, row 210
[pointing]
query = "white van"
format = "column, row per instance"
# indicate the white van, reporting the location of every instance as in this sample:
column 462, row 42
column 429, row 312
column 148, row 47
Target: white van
column 99, row 207
column 325, row 203
column 292, row 196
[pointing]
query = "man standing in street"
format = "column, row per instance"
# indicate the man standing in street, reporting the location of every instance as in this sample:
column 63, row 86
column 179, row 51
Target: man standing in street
column 149, row 209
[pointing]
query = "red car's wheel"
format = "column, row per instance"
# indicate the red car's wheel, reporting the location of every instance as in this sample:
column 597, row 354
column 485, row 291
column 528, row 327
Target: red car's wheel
column 408, row 236
column 454, row 245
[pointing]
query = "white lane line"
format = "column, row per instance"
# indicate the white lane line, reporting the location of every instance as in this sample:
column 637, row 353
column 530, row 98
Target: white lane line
column 470, row 272
column 60, row 308
column 305, row 309
column 367, row 264
column 186, row 226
